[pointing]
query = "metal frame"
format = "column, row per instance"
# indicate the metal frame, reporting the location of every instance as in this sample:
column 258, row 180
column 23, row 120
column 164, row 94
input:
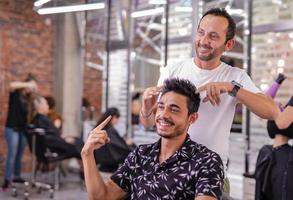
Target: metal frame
column 129, row 128
column 248, row 34
column 108, row 43
column 280, row 26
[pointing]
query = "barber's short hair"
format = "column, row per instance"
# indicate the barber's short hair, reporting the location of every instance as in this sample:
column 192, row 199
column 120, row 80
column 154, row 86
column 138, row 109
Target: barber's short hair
column 221, row 12
column 185, row 88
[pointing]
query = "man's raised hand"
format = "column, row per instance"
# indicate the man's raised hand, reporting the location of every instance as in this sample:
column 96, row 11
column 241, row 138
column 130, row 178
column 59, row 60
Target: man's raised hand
column 97, row 138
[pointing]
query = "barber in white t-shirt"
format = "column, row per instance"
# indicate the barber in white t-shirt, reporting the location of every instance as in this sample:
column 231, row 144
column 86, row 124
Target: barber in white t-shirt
column 221, row 86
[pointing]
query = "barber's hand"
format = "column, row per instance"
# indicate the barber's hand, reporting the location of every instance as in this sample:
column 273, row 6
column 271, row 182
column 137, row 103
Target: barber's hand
column 214, row 90
column 97, row 138
column 149, row 99
column 33, row 85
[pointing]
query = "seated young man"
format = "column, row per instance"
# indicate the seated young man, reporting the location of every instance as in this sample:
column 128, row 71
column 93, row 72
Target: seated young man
column 175, row 167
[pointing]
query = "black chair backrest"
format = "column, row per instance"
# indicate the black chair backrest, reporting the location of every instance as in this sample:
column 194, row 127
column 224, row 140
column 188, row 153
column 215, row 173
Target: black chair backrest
column 40, row 143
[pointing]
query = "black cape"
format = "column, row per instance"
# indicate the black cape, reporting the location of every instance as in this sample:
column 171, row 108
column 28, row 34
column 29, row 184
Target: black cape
column 274, row 173
column 112, row 154
column 53, row 140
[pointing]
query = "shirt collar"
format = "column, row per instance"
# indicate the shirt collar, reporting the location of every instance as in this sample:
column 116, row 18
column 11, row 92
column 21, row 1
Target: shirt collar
column 187, row 150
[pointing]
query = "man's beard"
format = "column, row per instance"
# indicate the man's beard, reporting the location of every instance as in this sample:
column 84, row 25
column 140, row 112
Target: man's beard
column 213, row 54
column 178, row 130
column 172, row 135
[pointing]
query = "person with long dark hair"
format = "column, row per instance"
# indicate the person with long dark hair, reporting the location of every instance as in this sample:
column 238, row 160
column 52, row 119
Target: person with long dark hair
column 111, row 155
column 274, row 167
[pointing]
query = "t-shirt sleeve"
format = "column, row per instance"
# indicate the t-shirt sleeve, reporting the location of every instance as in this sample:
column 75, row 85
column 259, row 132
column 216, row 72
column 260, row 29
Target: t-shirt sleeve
column 173, row 70
column 248, row 84
column 164, row 74
column 123, row 175
column 211, row 177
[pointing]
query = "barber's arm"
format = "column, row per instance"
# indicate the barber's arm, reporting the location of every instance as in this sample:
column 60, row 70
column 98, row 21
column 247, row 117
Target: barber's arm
column 147, row 111
column 19, row 85
column 96, row 188
column 285, row 118
column 258, row 103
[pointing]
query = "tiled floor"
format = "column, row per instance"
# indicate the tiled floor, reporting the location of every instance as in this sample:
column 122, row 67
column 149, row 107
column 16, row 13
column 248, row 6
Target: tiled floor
column 71, row 188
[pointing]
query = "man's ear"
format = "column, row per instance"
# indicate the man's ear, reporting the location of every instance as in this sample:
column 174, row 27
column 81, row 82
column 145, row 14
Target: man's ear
column 192, row 118
column 229, row 44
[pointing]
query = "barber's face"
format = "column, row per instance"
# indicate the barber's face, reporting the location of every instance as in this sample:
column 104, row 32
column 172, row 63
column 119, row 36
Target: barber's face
column 172, row 117
column 211, row 37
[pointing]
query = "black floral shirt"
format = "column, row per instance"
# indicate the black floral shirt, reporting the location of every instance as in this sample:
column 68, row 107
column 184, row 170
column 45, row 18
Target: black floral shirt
column 192, row 171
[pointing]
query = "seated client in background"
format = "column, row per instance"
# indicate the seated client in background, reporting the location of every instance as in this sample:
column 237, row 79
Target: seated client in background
column 274, row 167
column 53, row 139
column 112, row 154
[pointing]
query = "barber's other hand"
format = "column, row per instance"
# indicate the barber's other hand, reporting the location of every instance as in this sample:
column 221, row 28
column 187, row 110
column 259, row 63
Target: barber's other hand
column 214, row 90
column 149, row 99
column 97, row 138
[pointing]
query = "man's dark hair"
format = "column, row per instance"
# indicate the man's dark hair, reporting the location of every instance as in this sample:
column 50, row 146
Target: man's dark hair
column 185, row 88
column 221, row 12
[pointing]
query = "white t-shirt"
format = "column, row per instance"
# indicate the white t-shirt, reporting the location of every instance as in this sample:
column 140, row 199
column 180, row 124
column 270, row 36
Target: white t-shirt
column 213, row 125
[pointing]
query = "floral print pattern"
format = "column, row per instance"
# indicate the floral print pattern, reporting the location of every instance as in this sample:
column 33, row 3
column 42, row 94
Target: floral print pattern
column 192, row 171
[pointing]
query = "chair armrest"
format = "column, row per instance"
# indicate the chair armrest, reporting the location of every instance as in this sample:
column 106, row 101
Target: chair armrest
column 39, row 131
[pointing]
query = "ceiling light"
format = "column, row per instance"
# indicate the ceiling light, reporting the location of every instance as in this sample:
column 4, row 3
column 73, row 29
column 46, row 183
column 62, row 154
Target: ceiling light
column 143, row 13
column 270, row 41
column 182, row 31
column 158, row 2
column 183, row 9
column 74, row 8
column 40, row 2
column 278, row 2
column 264, row 86
column 239, row 12
column 280, row 70
column 281, row 63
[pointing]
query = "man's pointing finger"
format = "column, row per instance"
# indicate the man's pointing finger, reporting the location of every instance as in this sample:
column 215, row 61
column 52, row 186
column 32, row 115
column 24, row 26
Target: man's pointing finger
column 103, row 124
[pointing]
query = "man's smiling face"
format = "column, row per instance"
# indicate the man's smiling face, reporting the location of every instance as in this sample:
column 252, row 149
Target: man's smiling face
column 172, row 117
